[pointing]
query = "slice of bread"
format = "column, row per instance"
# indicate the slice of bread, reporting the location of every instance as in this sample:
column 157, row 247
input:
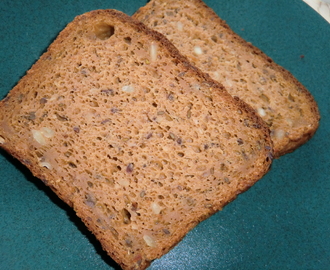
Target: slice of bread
column 207, row 41
column 132, row 136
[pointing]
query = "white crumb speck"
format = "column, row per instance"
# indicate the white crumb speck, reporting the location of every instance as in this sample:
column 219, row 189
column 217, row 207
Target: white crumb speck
column 196, row 121
column 290, row 122
column 216, row 75
column 52, row 98
column 197, row 87
column 228, row 82
column 46, row 165
column 149, row 240
column 279, row 133
column 2, row 140
column 153, row 52
column 198, row 50
column 94, row 90
column 38, row 137
column 128, row 88
column 156, row 208
column 179, row 26
column 123, row 182
column 47, row 132
column 261, row 112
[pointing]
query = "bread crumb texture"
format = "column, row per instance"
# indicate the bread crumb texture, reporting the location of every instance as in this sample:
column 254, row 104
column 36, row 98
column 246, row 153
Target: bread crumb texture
column 141, row 144
column 283, row 103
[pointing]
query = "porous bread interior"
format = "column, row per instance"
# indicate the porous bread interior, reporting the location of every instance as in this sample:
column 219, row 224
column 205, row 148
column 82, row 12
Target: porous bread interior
column 131, row 136
column 283, row 103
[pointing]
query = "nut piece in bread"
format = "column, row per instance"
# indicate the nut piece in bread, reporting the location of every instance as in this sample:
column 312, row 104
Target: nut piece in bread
column 141, row 144
column 207, row 41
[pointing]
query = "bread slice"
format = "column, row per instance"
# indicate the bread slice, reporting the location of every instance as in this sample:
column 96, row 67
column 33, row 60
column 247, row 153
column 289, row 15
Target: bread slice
column 132, row 136
column 207, row 41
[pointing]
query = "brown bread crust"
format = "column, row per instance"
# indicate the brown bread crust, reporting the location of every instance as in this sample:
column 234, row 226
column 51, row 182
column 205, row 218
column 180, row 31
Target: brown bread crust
column 208, row 42
column 132, row 136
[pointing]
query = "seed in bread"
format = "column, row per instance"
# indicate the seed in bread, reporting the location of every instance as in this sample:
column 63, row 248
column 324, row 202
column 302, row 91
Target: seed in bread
column 132, row 136
column 207, row 41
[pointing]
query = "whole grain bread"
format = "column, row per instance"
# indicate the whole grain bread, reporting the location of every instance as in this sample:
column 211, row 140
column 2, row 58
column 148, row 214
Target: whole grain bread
column 132, row 136
column 208, row 42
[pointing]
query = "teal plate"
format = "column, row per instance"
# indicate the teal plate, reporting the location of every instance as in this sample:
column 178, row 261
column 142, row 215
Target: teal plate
column 282, row 222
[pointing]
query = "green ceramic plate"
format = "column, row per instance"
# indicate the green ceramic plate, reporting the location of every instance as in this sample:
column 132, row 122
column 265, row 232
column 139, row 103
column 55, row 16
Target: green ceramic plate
column 283, row 222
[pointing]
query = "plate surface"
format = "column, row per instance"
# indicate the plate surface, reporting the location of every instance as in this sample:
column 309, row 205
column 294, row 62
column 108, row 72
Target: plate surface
column 283, row 222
